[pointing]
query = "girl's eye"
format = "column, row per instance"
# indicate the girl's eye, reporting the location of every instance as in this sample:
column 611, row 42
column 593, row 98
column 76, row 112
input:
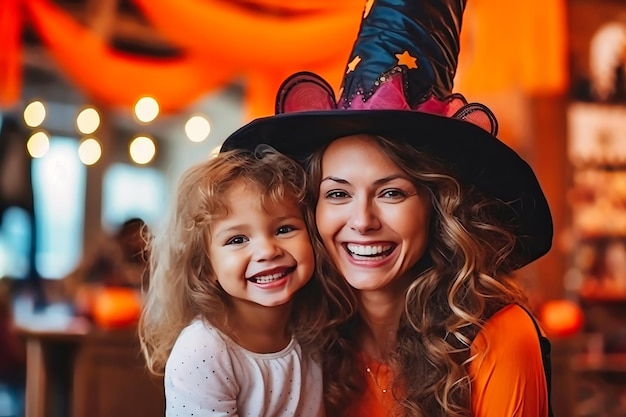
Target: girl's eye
column 285, row 229
column 336, row 194
column 236, row 240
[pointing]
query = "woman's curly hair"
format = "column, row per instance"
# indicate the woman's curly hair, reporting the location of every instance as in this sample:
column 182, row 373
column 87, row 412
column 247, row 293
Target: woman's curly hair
column 462, row 279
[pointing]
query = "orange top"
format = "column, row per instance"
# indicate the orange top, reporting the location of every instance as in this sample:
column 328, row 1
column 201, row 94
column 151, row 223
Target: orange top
column 507, row 375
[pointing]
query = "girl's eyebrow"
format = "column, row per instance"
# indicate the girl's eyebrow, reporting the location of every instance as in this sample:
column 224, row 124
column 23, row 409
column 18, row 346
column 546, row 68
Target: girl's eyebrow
column 229, row 230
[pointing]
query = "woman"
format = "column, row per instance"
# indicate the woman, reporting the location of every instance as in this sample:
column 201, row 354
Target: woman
column 422, row 216
column 425, row 267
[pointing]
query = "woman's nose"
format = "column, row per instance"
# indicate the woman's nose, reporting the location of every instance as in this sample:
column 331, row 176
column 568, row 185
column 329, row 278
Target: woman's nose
column 364, row 217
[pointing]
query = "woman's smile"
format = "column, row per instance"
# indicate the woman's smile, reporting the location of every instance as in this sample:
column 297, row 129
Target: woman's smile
column 369, row 252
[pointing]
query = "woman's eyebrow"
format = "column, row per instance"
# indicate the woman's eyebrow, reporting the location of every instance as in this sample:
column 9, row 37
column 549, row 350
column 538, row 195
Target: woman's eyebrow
column 378, row 182
column 389, row 179
column 335, row 179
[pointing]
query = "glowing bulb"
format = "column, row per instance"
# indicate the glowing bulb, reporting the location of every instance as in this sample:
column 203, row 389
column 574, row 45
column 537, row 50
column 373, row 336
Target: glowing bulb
column 142, row 150
column 87, row 121
column 89, row 151
column 215, row 151
column 146, row 109
column 34, row 114
column 197, row 128
column 38, row 144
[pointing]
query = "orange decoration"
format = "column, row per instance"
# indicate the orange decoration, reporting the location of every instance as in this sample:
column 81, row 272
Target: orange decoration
column 116, row 79
column 115, row 307
column 263, row 41
column 10, row 57
column 513, row 46
column 296, row 34
column 561, row 318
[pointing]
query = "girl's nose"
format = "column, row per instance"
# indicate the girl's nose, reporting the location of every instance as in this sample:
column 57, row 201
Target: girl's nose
column 267, row 249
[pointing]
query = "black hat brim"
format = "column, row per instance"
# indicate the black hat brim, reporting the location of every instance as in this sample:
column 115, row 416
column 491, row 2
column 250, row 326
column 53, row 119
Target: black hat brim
column 476, row 156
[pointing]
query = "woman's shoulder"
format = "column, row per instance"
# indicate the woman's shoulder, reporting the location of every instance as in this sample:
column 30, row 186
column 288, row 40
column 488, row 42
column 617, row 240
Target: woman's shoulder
column 507, row 367
column 510, row 329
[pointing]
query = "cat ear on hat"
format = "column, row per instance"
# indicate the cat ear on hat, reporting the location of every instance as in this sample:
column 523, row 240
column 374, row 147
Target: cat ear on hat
column 305, row 91
column 480, row 115
column 475, row 113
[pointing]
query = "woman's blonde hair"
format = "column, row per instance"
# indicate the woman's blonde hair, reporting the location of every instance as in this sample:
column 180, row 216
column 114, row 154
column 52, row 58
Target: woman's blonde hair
column 182, row 284
column 462, row 279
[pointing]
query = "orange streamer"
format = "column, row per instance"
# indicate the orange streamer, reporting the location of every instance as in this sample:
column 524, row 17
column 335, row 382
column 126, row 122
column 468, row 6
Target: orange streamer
column 526, row 53
column 117, row 79
column 10, row 57
column 245, row 38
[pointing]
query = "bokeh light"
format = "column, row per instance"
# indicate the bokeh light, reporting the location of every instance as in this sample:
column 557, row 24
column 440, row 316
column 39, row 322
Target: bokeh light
column 197, row 128
column 89, row 151
column 34, row 114
column 215, row 151
column 146, row 109
column 142, row 150
column 88, row 121
column 38, row 144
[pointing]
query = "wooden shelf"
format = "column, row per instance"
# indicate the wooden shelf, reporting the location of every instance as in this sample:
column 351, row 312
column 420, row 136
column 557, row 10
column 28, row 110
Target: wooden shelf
column 604, row 296
column 609, row 362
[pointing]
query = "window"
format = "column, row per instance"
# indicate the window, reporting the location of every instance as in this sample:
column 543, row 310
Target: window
column 130, row 191
column 59, row 192
column 15, row 240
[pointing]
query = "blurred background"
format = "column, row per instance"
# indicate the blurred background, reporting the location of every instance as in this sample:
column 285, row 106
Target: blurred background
column 103, row 103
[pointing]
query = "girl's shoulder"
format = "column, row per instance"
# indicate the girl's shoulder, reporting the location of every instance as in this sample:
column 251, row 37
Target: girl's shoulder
column 202, row 336
column 198, row 329
column 199, row 338
column 199, row 348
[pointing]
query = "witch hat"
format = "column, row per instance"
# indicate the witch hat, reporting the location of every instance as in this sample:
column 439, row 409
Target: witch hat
column 398, row 84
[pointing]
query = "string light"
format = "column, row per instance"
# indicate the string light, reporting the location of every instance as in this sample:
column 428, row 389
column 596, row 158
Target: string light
column 38, row 144
column 197, row 128
column 88, row 121
column 215, row 151
column 142, row 150
column 89, row 151
column 34, row 114
column 146, row 109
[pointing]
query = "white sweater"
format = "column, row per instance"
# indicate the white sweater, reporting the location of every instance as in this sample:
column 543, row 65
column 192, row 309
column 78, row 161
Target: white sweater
column 208, row 374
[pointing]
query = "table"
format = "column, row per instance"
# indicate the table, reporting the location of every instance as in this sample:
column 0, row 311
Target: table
column 81, row 371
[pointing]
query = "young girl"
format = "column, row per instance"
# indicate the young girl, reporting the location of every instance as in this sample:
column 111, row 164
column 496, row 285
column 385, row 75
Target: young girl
column 230, row 279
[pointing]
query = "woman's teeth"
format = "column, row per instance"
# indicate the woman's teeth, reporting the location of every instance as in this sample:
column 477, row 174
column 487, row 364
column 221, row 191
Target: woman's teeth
column 368, row 250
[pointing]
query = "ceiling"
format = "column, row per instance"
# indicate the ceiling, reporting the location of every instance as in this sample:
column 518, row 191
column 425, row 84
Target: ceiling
column 126, row 30
column 118, row 21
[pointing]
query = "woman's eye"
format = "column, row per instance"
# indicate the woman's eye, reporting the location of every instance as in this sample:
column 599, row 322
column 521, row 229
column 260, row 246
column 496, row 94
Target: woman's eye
column 236, row 240
column 285, row 229
column 335, row 194
column 393, row 193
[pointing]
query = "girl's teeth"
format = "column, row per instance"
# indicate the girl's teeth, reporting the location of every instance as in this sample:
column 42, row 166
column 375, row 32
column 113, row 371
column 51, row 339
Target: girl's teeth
column 269, row 278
